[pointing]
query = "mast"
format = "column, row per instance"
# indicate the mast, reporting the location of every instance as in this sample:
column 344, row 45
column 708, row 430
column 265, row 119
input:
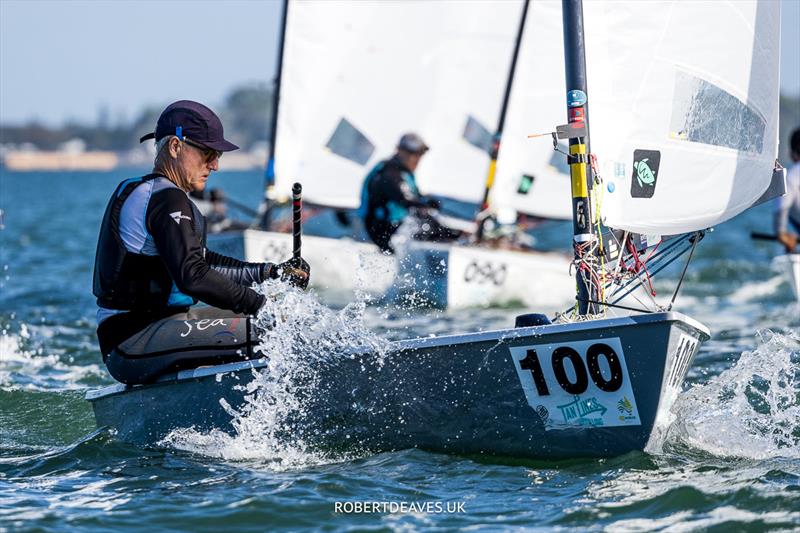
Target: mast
column 269, row 178
column 580, row 170
column 501, row 122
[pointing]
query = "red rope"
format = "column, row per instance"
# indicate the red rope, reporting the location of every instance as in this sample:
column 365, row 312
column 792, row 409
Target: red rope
column 640, row 266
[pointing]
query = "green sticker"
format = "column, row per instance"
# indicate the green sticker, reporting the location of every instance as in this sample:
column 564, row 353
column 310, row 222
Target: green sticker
column 645, row 173
column 525, row 184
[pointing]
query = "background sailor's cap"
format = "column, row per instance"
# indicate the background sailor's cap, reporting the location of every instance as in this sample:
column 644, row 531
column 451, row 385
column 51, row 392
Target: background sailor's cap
column 411, row 142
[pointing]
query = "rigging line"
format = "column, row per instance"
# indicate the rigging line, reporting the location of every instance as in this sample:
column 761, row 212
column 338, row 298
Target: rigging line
column 652, row 252
column 657, row 261
column 640, row 265
column 697, row 237
column 621, row 284
column 661, row 258
column 650, row 293
column 618, row 268
column 656, row 271
column 669, row 261
column 657, row 267
column 617, row 306
column 632, row 281
column 666, row 253
column 643, row 304
column 598, row 200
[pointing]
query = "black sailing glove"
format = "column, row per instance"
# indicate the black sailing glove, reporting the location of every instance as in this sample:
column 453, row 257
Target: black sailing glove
column 296, row 271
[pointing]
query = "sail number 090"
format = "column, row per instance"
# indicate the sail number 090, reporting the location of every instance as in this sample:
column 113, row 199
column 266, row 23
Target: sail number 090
column 591, row 369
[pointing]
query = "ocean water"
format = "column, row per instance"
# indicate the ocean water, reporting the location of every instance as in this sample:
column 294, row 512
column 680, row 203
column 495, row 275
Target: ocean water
column 731, row 461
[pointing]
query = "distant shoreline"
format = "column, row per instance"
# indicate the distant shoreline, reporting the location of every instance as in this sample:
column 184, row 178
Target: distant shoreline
column 32, row 161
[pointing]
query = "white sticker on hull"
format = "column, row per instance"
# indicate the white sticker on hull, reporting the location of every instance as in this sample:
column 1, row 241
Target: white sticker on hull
column 683, row 356
column 476, row 278
column 577, row 384
column 482, row 272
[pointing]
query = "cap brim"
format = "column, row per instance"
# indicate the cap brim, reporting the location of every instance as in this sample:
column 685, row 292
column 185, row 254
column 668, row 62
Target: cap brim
column 221, row 146
column 419, row 150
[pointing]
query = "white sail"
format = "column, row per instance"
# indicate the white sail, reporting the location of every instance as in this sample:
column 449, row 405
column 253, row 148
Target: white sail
column 683, row 109
column 531, row 177
column 358, row 74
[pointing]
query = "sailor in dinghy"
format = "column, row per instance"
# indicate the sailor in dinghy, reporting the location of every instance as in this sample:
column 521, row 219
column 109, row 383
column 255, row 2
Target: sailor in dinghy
column 787, row 207
column 152, row 264
column 786, row 217
column 390, row 192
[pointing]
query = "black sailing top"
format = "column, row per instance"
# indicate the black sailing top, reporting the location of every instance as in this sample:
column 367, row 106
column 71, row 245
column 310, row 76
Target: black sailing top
column 152, row 261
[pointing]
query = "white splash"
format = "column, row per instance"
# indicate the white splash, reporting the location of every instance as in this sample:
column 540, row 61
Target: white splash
column 299, row 337
column 374, row 274
column 751, row 410
column 23, row 365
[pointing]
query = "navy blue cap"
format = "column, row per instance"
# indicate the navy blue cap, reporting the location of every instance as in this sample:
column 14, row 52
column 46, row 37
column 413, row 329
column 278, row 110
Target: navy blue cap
column 193, row 121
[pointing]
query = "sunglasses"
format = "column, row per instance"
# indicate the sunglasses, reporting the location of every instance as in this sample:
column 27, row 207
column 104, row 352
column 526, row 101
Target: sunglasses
column 209, row 154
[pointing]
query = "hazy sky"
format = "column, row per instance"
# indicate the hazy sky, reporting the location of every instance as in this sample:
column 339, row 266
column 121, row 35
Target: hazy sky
column 67, row 58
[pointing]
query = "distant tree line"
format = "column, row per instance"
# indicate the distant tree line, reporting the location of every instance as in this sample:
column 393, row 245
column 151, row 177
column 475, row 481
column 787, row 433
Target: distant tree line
column 246, row 114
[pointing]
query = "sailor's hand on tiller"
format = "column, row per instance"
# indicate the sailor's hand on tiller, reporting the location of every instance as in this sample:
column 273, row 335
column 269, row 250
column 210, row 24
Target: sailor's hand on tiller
column 788, row 240
column 296, row 271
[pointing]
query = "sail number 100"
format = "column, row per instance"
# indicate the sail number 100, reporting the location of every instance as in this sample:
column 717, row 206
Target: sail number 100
column 591, row 369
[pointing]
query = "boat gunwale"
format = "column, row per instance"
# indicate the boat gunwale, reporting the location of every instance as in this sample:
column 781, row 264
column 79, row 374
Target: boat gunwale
column 500, row 335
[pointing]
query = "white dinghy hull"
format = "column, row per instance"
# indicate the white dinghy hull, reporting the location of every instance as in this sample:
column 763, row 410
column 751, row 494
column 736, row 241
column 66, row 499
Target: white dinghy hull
column 438, row 274
column 455, row 277
column 596, row 388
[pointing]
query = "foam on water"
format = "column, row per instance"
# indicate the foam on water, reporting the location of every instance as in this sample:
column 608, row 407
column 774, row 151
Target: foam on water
column 753, row 291
column 751, row 410
column 23, row 365
column 299, row 337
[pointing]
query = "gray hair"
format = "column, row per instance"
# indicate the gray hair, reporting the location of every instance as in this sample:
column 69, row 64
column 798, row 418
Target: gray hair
column 162, row 143
column 162, row 152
